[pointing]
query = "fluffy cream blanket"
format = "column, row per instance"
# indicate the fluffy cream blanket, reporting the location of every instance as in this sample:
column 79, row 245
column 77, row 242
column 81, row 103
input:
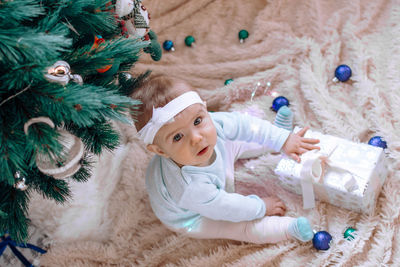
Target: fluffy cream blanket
column 295, row 46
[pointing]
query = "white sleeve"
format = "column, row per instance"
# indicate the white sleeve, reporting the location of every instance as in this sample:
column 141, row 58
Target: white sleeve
column 214, row 203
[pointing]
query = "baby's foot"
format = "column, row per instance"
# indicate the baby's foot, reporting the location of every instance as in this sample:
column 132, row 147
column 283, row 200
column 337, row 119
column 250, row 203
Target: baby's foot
column 301, row 229
column 284, row 118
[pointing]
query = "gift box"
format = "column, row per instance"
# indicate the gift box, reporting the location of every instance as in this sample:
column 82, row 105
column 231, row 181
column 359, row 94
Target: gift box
column 343, row 173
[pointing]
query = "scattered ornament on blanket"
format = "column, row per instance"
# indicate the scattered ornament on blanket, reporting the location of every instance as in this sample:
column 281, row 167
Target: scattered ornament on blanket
column 284, row 118
column 190, row 41
column 20, row 181
column 168, row 45
column 342, row 73
column 322, row 240
column 243, row 34
column 279, row 102
column 350, row 233
column 228, row 81
column 377, row 141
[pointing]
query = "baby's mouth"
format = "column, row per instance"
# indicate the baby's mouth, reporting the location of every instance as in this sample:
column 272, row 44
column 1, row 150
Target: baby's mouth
column 203, row 151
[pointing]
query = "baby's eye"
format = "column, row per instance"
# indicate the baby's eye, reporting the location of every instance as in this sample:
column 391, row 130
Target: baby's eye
column 197, row 121
column 177, row 137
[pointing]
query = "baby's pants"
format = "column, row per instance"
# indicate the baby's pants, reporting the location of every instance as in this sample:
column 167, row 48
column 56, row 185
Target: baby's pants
column 269, row 229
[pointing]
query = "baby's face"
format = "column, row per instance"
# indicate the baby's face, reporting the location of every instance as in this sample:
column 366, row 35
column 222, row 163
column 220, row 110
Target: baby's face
column 190, row 138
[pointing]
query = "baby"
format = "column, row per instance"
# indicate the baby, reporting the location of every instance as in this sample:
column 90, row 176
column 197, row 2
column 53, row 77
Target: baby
column 190, row 179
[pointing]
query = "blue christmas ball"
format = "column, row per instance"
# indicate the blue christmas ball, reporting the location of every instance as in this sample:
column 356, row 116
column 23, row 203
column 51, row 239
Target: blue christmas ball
column 279, row 102
column 168, row 45
column 322, row 240
column 377, row 141
column 343, row 73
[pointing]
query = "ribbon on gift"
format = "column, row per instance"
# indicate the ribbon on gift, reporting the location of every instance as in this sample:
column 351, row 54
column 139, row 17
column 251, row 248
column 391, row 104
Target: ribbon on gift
column 313, row 171
column 7, row 241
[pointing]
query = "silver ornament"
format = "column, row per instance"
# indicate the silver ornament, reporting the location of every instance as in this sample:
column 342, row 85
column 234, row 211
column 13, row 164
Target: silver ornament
column 60, row 72
column 127, row 75
column 20, row 184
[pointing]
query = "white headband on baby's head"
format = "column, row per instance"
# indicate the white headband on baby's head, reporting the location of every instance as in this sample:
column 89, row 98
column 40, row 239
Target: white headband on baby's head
column 164, row 114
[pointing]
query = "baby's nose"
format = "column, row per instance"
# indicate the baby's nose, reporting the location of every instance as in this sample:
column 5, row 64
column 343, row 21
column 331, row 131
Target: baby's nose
column 196, row 137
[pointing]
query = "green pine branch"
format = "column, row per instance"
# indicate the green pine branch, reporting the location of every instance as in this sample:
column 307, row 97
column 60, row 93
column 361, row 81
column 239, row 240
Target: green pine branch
column 14, row 204
column 34, row 34
column 49, row 187
column 96, row 137
column 21, row 10
column 85, row 171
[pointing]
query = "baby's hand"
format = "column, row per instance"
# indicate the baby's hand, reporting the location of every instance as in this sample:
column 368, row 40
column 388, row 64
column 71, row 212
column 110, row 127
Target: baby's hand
column 274, row 206
column 296, row 144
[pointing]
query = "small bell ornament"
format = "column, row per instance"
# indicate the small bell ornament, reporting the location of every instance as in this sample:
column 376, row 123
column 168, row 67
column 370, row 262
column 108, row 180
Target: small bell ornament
column 68, row 162
column 60, row 73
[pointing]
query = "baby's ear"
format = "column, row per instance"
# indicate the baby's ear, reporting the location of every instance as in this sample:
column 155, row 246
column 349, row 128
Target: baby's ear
column 156, row 149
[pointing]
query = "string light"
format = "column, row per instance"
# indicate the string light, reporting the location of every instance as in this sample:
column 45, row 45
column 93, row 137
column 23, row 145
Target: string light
column 266, row 90
column 254, row 91
column 274, row 94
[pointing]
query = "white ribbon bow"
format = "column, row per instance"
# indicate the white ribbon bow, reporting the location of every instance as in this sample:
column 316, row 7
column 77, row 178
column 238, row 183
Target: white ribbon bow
column 313, row 171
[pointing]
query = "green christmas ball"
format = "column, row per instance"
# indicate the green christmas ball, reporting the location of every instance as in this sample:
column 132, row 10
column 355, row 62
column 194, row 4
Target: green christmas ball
column 243, row 34
column 350, row 233
column 228, row 81
column 189, row 40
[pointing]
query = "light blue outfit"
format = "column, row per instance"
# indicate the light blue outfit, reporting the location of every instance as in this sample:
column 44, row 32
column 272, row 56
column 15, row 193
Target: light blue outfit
column 180, row 197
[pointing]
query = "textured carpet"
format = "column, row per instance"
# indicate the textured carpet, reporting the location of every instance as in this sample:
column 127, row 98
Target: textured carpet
column 296, row 46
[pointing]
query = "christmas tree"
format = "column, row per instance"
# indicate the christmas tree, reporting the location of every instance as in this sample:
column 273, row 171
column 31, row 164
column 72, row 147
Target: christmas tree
column 62, row 80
